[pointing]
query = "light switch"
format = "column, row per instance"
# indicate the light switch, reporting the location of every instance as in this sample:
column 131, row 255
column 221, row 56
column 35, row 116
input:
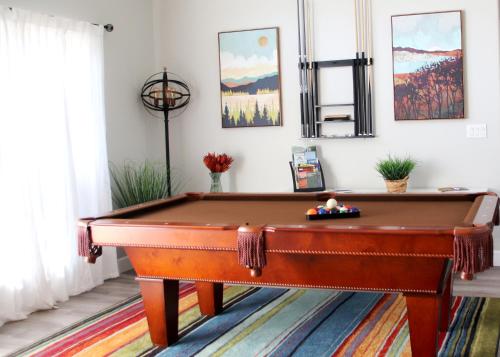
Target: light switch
column 477, row 131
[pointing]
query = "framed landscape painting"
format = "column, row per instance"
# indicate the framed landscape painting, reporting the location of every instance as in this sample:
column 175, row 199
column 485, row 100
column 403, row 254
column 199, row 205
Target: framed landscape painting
column 428, row 66
column 250, row 78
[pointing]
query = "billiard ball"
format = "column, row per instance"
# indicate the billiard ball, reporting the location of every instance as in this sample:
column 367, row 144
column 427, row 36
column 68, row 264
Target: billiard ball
column 311, row 212
column 331, row 203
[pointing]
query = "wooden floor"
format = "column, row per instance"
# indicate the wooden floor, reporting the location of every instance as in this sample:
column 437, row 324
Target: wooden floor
column 15, row 335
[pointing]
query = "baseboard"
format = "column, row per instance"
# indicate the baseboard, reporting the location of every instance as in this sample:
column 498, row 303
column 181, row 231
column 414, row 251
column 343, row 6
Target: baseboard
column 124, row 264
column 496, row 246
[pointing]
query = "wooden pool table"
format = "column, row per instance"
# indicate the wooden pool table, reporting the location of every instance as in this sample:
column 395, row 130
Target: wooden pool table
column 403, row 243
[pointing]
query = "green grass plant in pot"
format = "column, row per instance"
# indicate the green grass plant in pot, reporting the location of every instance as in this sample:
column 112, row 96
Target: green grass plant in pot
column 396, row 172
column 138, row 182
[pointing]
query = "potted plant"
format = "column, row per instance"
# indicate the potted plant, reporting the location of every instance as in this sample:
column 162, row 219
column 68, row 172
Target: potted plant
column 138, row 182
column 396, row 172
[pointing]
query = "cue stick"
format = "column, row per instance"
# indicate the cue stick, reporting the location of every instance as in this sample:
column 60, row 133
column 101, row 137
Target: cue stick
column 356, row 25
column 317, row 128
column 354, row 70
column 360, row 93
column 313, row 88
column 301, row 73
column 362, row 70
column 306, row 77
column 362, row 67
column 370, row 69
column 355, row 96
column 357, row 68
column 367, row 67
column 362, row 24
column 310, row 101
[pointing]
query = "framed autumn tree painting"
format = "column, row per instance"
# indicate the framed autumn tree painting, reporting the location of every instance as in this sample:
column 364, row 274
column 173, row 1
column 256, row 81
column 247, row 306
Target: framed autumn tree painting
column 428, row 66
column 250, row 78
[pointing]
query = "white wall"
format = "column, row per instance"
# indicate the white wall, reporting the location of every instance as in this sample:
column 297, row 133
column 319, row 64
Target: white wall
column 187, row 44
column 131, row 132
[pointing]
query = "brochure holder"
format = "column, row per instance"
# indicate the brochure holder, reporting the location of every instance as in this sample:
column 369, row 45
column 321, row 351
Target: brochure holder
column 311, row 182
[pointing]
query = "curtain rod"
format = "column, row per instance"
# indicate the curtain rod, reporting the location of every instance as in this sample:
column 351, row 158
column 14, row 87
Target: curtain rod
column 107, row 27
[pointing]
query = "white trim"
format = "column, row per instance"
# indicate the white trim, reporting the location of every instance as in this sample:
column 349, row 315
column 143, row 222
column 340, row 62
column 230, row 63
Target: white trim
column 496, row 247
column 124, row 264
column 496, row 258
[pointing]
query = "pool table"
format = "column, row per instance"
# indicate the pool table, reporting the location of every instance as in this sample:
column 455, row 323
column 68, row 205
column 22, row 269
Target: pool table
column 401, row 243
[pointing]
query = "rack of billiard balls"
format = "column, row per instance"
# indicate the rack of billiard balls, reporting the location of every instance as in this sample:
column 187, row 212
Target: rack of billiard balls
column 332, row 209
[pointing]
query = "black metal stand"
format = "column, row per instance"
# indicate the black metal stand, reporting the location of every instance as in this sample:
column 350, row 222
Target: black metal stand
column 309, row 189
column 174, row 95
column 166, row 109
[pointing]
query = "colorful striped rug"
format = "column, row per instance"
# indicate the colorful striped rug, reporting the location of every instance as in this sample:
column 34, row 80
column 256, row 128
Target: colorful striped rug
column 279, row 322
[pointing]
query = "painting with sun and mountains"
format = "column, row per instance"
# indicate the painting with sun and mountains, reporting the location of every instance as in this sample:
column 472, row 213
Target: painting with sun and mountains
column 250, row 78
column 428, row 66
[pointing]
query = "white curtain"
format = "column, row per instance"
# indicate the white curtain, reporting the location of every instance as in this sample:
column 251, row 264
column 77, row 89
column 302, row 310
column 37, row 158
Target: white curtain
column 53, row 160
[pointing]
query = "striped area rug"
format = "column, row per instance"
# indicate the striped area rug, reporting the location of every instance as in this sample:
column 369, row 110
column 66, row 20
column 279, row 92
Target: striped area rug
column 279, row 322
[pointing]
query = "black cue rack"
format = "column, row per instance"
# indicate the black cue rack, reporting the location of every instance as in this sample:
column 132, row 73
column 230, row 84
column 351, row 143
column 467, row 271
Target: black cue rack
column 362, row 120
column 362, row 78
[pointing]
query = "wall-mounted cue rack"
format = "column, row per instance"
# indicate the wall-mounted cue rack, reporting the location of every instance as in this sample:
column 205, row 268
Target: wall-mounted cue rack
column 312, row 111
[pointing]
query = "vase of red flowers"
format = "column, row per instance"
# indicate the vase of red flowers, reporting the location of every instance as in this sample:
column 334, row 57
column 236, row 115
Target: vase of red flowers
column 215, row 185
column 217, row 164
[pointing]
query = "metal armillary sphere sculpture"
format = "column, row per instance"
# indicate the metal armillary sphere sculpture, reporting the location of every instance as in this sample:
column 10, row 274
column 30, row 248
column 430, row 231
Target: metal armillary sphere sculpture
column 165, row 92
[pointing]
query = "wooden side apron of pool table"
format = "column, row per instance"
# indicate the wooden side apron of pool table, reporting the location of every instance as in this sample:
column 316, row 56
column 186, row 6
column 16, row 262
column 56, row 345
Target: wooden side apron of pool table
column 415, row 262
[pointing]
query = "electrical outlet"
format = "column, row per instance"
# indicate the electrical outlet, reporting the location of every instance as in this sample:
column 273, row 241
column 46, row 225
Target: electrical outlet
column 477, row 131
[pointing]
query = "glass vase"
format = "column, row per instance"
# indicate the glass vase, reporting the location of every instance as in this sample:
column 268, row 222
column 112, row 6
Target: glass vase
column 215, row 185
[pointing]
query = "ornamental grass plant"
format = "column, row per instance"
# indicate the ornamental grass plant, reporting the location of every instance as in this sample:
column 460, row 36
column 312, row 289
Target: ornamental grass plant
column 139, row 182
column 395, row 168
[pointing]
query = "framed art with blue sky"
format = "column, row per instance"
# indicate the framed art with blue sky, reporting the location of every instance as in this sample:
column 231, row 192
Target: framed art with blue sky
column 250, row 78
column 428, row 66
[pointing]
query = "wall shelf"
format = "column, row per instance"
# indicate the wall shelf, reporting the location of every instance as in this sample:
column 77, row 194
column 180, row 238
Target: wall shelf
column 351, row 136
column 334, row 105
column 337, row 121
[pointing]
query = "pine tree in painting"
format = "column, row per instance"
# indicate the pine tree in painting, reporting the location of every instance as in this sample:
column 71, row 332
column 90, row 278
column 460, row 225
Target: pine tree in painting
column 225, row 117
column 249, row 115
column 265, row 116
column 242, row 121
column 257, row 120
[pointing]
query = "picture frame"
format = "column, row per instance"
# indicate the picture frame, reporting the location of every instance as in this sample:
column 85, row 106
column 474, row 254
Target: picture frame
column 250, row 78
column 427, row 58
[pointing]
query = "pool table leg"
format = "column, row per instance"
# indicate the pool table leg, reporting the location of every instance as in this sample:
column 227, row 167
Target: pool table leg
column 446, row 304
column 424, row 313
column 161, row 302
column 466, row 276
column 210, row 297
